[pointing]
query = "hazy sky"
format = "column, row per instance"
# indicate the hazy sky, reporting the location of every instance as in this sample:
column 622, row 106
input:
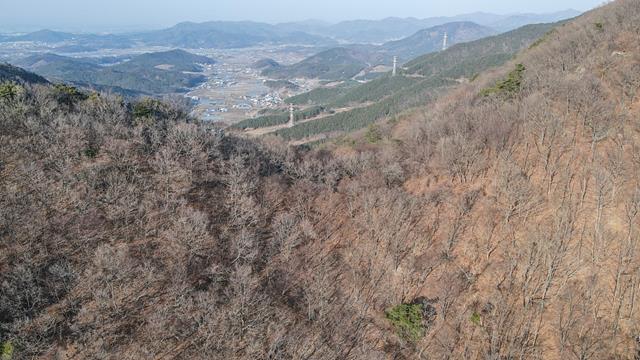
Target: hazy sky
column 94, row 14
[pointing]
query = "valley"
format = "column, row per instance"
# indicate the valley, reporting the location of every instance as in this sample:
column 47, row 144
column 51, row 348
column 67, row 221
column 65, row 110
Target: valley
column 231, row 90
column 236, row 72
column 235, row 90
column 455, row 187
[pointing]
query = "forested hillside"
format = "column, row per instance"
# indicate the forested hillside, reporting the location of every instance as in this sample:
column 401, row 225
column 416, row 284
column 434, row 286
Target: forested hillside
column 333, row 64
column 10, row 73
column 394, row 28
column 467, row 59
column 150, row 73
column 345, row 62
column 430, row 40
column 499, row 222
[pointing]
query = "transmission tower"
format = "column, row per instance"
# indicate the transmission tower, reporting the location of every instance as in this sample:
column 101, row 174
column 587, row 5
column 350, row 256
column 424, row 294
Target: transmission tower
column 444, row 42
column 395, row 65
column 291, row 116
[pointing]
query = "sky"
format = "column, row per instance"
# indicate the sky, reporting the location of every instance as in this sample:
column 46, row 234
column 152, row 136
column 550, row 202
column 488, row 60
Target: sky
column 139, row 14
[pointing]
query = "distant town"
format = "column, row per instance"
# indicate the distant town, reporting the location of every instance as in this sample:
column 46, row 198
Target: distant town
column 233, row 90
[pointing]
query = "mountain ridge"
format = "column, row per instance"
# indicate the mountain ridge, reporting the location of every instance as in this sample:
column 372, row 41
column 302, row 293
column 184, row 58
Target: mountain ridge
column 240, row 34
column 345, row 62
column 395, row 28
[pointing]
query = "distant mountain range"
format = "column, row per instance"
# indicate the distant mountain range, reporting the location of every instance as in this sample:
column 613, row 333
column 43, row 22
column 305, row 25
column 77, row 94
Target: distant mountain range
column 47, row 36
column 226, row 34
column 394, row 28
column 215, row 34
column 152, row 73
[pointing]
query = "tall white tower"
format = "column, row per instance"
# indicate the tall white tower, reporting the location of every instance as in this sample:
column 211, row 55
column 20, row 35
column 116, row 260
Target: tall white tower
column 444, row 42
column 291, row 116
column 395, row 65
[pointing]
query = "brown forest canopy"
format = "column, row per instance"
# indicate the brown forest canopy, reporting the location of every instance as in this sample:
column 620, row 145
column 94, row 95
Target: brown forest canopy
column 500, row 223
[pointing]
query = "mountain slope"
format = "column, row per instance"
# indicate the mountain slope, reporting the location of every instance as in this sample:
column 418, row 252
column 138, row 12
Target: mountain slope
column 333, row 64
column 58, row 67
column 345, row 62
column 431, row 40
column 498, row 47
column 500, row 222
column 542, row 157
column 177, row 60
column 265, row 64
column 15, row 74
